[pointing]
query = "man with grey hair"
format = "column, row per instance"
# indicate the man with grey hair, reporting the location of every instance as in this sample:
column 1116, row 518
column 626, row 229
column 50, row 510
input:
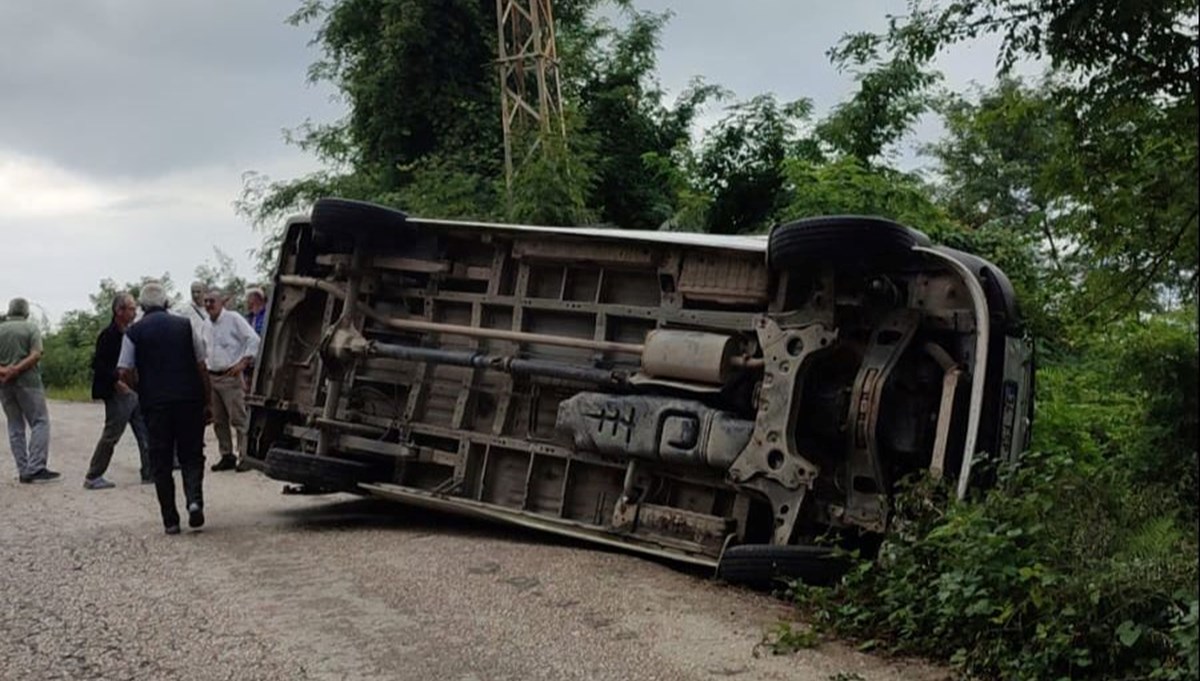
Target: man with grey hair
column 234, row 345
column 196, row 307
column 120, row 401
column 256, row 309
column 163, row 358
column 197, row 315
column 22, row 395
column 256, row 314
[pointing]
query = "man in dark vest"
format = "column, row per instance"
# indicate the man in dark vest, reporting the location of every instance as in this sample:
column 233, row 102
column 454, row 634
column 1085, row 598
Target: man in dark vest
column 164, row 359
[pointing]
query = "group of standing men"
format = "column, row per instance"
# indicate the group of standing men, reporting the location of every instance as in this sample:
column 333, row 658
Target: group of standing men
column 165, row 377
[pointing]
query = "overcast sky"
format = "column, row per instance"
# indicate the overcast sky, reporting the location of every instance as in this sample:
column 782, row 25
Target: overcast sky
column 126, row 125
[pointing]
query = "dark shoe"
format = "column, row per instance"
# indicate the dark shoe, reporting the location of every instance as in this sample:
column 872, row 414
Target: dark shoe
column 195, row 516
column 97, row 483
column 172, row 529
column 147, row 481
column 227, row 463
column 45, row 475
column 242, row 466
column 25, row 479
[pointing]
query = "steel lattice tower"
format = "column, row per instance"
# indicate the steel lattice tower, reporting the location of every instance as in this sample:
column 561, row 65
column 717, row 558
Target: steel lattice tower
column 530, row 90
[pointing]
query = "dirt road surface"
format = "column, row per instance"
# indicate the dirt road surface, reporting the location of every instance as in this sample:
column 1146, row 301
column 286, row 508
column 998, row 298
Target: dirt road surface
column 337, row 587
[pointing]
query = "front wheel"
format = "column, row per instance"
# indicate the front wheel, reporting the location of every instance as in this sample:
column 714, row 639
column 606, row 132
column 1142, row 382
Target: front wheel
column 840, row 240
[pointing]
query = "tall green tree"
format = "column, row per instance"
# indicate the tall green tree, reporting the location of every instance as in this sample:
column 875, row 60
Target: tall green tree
column 740, row 163
column 893, row 92
column 626, row 118
column 418, row 79
column 221, row 273
column 1120, row 100
column 423, row 132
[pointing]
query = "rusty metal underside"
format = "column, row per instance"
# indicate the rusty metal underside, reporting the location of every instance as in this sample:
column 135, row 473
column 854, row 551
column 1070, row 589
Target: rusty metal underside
column 667, row 397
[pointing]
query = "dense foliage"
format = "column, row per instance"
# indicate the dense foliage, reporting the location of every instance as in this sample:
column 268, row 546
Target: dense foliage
column 1082, row 563
column 1081, row 184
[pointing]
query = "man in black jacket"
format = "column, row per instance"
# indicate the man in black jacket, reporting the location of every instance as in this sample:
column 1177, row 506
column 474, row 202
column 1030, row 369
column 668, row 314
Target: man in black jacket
column 164, row 359
column 120, row 401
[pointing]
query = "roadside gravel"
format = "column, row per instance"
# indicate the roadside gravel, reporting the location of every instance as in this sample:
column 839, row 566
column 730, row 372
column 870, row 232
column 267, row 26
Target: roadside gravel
column 336, row 587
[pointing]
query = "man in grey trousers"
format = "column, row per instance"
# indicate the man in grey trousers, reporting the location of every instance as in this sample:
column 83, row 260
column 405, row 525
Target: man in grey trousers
column 22, row 395
column 120, row 401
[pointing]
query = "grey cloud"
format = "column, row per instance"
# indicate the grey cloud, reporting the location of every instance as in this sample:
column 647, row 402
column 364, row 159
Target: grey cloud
column 764, row 46
column 138, row 88
column 143, row 87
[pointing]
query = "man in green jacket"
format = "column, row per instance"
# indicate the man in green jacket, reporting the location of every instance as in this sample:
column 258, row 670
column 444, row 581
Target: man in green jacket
column 22, row 395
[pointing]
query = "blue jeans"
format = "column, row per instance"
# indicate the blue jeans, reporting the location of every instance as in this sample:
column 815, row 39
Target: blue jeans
column 27, row 407
column 119, row 411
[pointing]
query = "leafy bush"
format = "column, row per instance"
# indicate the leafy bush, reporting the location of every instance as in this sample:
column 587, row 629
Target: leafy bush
column 67, row 356
column 1080, row 564
column 1160, row 357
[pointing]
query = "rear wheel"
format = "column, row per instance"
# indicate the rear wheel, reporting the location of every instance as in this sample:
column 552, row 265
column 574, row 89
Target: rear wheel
column 320, row 472
column 764, row 566
column 337, row 223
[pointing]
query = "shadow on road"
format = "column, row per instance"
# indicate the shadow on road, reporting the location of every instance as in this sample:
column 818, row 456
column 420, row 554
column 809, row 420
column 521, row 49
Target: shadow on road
column 340, row 513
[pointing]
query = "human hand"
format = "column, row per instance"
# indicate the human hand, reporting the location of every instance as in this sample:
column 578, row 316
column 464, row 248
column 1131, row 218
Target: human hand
column 236, row 369
column 122, row 388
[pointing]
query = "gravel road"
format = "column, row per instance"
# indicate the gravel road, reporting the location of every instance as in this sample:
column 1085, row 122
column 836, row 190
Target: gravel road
column 336, row 587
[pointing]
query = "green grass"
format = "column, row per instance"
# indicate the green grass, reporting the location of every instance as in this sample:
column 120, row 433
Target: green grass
column 70, row 393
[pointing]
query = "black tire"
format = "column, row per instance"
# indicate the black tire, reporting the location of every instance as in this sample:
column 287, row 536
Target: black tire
column 320, row 472
column 840, row 240
column 333, row 217
column 766, row 566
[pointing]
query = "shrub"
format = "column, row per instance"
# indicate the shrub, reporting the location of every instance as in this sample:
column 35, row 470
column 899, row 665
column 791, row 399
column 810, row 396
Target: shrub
column 1082, row 562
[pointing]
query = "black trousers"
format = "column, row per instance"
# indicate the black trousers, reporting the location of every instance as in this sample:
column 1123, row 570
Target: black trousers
column 176, row 429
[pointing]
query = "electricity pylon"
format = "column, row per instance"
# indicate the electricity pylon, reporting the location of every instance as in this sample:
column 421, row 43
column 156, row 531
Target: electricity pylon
column 530, row 90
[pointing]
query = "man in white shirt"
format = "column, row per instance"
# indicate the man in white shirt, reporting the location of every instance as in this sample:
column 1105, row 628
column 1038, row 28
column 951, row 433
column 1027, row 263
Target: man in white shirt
column 232, row 348
column 196, row 314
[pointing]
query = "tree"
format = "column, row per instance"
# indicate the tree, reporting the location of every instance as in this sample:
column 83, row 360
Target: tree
column 223, row 276
column 1121, row 99
column 892, row 94
column 1002, row 168
column 418, row 78
column 625, row 117
column 740, row 162
column 419, row 81
column 67, row 357
column 423, row 134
